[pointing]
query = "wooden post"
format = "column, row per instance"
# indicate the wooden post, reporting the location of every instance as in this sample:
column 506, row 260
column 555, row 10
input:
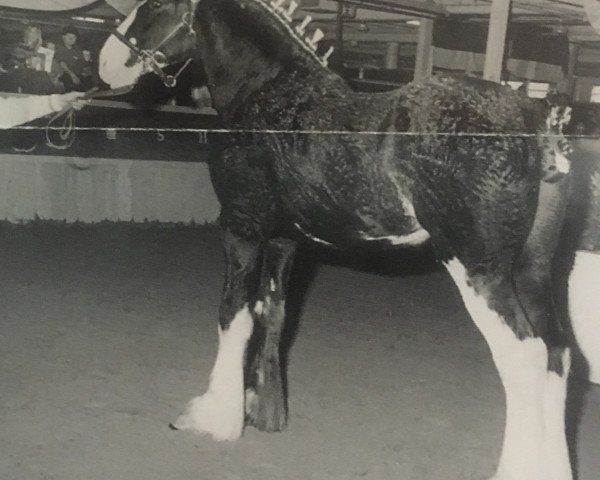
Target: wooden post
column 496, row 40
column 338, row 63
column 391, row 55
column 424, row 56
column 569, row 81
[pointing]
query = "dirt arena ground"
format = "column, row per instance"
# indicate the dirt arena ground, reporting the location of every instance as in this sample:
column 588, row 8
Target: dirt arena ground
column 107, row 331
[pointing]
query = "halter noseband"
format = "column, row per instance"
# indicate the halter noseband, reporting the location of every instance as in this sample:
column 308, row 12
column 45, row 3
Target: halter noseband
column 151, row 57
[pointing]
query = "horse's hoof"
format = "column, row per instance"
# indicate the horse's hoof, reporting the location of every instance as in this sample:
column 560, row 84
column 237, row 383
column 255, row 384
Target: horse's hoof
column 221, row 419
column 266, row 412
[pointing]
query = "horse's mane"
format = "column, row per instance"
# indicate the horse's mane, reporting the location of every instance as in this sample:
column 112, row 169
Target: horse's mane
column 276, row 25
column 307, row 40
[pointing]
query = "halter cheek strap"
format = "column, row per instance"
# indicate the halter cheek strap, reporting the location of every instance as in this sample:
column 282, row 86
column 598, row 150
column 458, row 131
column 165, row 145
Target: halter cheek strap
column 191, row 15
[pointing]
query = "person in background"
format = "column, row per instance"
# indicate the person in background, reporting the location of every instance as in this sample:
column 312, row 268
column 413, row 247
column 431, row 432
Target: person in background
column 29, row 65
column 17, row 110
column 55, row 70
column 42, row 57
column 89, row 77
column 24, row 54
column 69, row 56
column 28, row 73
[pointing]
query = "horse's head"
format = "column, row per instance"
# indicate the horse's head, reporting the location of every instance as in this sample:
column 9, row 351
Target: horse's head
column 156, row 34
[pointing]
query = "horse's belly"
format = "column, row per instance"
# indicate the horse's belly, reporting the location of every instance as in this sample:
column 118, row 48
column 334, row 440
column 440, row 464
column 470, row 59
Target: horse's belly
column 355, row 237
column 346, row 192
column 339, row 224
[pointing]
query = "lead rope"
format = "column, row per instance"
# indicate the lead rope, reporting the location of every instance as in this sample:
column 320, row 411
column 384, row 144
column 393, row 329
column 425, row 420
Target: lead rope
column 63, row 121
column 63, row 124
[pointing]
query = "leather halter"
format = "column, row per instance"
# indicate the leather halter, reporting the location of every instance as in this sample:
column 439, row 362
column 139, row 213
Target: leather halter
column 152, row 57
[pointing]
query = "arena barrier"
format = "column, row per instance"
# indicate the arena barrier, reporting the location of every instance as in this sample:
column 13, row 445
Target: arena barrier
column 95, row 189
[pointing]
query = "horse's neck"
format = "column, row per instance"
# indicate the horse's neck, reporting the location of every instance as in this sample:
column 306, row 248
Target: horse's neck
column 236, row 65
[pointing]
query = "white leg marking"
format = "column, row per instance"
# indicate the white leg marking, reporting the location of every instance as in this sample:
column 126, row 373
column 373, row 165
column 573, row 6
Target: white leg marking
column 534, row 438
column 258, row 307
column 251, row 400
column 562, row 163
column 272, row 285
column 555, row 399
column 584, row 307
column 115, row 54
column 220, row 411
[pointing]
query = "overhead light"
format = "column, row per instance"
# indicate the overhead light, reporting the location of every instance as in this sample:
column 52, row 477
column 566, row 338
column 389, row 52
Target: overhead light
column 414, row 22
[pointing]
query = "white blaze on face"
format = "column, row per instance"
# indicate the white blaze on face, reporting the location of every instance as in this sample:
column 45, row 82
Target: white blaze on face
column 115, row 54
column 220, row 411
column 534, row 445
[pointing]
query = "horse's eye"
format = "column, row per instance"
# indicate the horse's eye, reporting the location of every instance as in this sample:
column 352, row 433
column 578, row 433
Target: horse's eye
column 156, row 4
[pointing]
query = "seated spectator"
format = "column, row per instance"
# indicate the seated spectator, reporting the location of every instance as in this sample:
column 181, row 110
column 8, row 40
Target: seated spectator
column 69, row 57
column 24, row 53
column 89, row 72
column 55, row 69
column 28, row 65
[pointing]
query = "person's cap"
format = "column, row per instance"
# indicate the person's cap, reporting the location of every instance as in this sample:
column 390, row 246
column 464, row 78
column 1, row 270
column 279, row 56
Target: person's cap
column 69, row 29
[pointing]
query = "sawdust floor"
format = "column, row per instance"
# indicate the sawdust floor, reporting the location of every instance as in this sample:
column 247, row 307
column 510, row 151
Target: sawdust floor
column 106, row 332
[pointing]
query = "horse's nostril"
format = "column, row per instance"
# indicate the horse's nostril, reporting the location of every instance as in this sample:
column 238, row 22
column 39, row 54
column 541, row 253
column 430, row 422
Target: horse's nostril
column 132, row 60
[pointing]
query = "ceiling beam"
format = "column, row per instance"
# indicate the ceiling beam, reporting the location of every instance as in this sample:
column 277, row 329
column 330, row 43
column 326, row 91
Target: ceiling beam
column 415, row 8
column 46, row 18
column 542, row 7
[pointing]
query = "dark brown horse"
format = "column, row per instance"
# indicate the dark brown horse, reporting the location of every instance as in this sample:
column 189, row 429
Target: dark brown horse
column 456, row 163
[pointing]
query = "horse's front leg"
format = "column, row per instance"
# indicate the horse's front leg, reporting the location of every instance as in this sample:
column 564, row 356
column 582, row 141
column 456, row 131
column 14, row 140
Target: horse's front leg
column 265, row 397
column 220, row 411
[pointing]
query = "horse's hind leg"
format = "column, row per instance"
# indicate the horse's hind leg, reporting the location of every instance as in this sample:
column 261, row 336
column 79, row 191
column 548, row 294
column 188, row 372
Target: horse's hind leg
column 533, row 368
column 265, row 396
column 533, row 282
column 220, row 411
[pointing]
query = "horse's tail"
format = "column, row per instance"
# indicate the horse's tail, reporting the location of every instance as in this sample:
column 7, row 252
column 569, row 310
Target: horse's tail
column 555, row 146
